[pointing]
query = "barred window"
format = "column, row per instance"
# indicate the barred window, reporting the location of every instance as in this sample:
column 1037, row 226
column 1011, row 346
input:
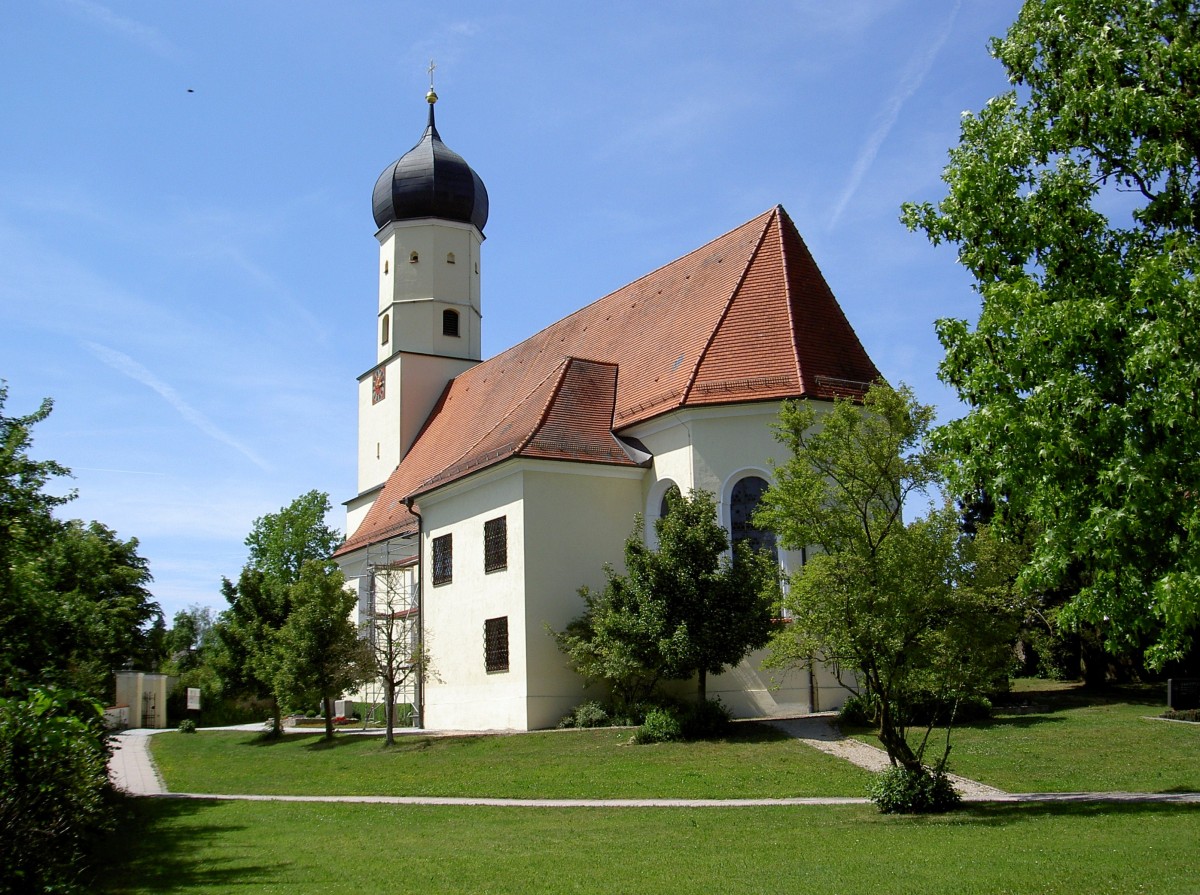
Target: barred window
column 495, row 644
column 495, row 545
column 443, row 560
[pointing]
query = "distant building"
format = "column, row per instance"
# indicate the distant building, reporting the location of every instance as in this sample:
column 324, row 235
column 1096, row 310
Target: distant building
column 489, row 491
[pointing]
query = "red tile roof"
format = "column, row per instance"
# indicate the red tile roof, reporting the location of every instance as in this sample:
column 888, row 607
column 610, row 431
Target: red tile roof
column 747, row 317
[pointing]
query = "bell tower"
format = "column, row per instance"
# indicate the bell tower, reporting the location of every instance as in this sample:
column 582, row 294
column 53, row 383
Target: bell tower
column 430, row 209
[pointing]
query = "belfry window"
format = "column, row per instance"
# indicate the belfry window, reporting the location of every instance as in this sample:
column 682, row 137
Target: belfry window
column 743, row 502
column 385, row 330
column 449, row 257
column 413, row 258
column 450, row 323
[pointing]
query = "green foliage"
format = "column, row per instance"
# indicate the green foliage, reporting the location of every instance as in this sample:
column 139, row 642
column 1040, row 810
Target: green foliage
column 281, row 543
column 318, row 654
column 899, row 790
column 187, row 725
column 662, row 725
column 73, row 597
column 683, row 609
column 586, row 714
column 53, row 790
column 705, row 720
column 1075, row 205
column 914, row 612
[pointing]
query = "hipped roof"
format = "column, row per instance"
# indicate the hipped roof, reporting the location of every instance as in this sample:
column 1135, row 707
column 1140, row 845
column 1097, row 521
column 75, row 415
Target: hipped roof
column 746, row 318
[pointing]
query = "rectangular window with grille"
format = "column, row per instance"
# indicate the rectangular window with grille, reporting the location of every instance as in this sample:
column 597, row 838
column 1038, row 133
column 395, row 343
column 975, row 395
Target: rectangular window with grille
column 495, row 545
column 443, row 560
column 495, row 644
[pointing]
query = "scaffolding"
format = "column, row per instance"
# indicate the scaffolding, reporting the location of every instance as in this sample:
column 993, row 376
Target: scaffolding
column 389, row 614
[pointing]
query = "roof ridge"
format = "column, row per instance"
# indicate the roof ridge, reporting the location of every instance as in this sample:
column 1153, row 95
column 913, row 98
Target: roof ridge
column 687, row 389
column 790, row 296
column 566, row 367
column 515, row 406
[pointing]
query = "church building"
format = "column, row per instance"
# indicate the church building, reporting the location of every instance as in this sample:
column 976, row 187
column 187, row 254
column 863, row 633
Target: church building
column 490, row 490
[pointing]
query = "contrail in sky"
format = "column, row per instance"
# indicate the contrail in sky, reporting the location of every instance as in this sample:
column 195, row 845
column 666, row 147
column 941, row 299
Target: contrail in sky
column 125, row 364
column 910, row 82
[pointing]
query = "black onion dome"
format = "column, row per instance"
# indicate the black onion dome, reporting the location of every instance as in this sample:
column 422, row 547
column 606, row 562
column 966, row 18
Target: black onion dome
column 430, row 181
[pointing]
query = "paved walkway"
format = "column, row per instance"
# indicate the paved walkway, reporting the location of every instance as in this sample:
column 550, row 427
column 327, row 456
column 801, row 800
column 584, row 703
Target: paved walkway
column 132, row 769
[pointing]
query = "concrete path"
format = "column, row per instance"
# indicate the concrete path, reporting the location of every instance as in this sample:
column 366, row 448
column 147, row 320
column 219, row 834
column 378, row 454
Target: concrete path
column 132, row 770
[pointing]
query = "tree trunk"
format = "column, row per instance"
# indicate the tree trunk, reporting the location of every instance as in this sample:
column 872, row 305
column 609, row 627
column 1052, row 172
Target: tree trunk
column 389, row 691
column 327, row 704
column 276, row 718
column 898, row 750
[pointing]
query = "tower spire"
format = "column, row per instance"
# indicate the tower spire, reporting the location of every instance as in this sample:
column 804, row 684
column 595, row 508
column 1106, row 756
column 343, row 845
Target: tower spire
column 431, row 97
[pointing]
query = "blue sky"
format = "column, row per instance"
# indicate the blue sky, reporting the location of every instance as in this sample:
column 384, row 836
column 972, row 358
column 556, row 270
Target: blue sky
column 187, row 255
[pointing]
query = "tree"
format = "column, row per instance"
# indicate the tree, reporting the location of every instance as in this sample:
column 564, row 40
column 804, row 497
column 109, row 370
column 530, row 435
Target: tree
column 392, row 632
column 684, row 609
column 261, row 603
column 281, row 543
column 318, row 654
column 1074, row 201
column 910, row 611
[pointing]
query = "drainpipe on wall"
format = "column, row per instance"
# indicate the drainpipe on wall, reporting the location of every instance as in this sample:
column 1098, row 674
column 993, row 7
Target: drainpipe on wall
column 408, row 504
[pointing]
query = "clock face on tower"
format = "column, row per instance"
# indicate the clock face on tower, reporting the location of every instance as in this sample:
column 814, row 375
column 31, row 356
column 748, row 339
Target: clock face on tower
column 378, row 385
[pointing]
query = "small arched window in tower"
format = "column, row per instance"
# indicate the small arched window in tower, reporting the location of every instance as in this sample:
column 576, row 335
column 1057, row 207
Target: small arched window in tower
column 746, row 496
column 449, row 257
column 385, row 330
column 413, row 258
column 385, row 266
column 450, row 323
column 476, row 267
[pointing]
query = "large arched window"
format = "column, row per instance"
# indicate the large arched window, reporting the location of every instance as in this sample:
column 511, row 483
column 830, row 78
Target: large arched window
column 743, row 501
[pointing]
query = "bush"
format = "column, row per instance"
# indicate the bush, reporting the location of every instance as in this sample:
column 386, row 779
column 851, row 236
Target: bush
column 705, row 720
column 54, row 790
column 859, row 710
column 901, row 791
column 187, row 725
column 586, row 714
column 660, row 726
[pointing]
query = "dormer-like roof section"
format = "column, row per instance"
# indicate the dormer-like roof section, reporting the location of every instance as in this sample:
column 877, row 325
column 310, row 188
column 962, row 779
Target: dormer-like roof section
column 746, row 318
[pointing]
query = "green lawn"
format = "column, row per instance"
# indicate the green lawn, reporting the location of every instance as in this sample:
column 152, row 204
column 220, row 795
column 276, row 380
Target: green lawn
column 1067, row 740
column 755, row 761
column 249, row 847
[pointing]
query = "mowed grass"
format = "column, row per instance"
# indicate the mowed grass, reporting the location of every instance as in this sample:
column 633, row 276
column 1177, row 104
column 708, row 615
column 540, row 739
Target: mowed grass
column 1066, row 739
column 754, row 761
column 208, row 848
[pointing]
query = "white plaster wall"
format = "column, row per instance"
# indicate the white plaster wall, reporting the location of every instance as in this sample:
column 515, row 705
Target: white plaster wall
column 577, row 517
column 460, row 694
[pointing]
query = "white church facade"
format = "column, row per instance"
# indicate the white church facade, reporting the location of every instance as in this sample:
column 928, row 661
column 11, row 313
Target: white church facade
column 490, row 491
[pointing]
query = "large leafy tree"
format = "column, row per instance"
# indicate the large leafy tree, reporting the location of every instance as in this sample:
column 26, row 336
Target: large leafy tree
column 1074, row 201
column 281, row 545
column 318, row 654
column 910, row 611
column 684, row 609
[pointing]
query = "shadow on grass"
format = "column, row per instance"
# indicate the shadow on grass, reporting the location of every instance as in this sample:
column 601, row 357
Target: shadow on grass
column 1007, row 813
column 156, row 848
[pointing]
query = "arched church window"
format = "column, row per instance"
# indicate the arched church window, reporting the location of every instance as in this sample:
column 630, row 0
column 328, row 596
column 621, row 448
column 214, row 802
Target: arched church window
column 413, row 258
column 385, row 329
column 450, row 323
column 743, row 501
column 665, row 504
column 449, row 257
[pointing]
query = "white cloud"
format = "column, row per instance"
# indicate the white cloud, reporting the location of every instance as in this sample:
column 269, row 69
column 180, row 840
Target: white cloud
column 910, row 82
column 144, row 35
column 126, row 365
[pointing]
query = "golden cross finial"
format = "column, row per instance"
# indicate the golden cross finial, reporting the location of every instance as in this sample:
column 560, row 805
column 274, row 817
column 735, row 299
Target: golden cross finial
column 431, row 97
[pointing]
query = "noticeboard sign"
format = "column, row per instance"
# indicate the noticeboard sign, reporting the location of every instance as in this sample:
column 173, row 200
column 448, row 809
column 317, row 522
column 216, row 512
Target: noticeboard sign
column 193, row 699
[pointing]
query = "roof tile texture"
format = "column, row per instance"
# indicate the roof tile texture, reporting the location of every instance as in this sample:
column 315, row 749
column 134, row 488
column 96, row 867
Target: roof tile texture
column 747, row 317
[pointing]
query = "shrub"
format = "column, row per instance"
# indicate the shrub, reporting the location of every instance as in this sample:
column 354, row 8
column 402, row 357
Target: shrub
column 901, row 791
column 1182, row 714
column 54, row 790
column 704, row 720
column 661, row 726
column 859, row 710
column 586, row 714
column 187, row 725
